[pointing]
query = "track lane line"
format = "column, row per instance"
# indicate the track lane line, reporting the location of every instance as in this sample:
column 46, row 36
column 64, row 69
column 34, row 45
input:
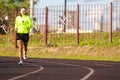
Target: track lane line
column 89, row 74
column 33, row 72
column 106, row 65
column 24, row 75
column 85, row 77
column 67, row 64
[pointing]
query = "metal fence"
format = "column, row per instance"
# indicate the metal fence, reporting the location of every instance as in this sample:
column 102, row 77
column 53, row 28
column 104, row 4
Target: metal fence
column 80, row 23
column 76, row 24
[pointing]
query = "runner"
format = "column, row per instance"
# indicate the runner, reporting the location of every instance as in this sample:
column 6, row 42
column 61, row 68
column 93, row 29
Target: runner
column 23, row 24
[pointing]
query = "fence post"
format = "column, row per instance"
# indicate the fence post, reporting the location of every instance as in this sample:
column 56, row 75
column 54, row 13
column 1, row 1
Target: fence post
column 14, row 34
column 65, row 11
column 77, row 24
column 46, row 25
column 110, row 27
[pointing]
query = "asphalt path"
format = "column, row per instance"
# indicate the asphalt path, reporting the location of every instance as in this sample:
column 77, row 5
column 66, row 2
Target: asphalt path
column 58, row 69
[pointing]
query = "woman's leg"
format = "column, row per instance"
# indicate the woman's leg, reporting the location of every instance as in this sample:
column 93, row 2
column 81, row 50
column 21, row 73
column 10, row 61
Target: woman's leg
column 25, row 49
column 20, row 49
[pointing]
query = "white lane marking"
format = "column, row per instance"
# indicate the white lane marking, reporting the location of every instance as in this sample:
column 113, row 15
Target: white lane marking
column 107, row 65
column 85, row 77
column 89, row 74
column 24, row 75
column 62, row 64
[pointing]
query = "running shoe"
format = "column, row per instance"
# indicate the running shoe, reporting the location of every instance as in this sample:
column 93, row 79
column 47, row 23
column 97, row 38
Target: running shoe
column 24, row 57
column 20, row 63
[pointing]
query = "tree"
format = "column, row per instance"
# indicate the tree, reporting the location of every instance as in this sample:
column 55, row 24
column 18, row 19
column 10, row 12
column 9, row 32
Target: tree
column 8, row 8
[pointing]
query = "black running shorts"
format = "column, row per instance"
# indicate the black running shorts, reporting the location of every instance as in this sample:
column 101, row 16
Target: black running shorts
column 23, row 37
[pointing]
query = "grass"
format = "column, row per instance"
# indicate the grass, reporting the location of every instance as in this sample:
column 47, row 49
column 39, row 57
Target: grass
column 63, row 46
